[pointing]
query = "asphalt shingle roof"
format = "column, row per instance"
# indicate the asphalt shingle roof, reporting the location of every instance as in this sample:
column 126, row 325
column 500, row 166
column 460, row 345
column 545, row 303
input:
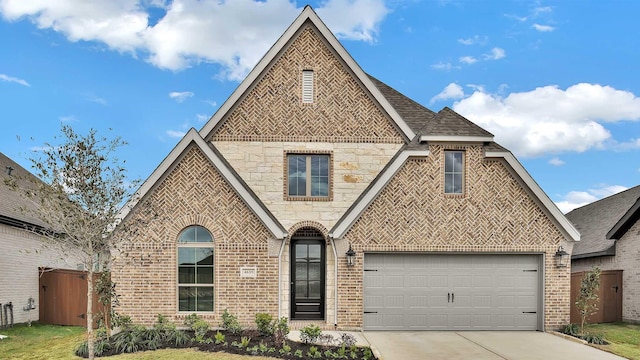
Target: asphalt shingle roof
column 594, row 221
column 10, row 200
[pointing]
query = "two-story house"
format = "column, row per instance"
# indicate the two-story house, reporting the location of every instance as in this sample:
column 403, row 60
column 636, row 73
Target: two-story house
column 318, row 193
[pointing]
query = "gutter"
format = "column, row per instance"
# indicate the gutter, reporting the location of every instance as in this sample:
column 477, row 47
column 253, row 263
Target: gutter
column 284, row 241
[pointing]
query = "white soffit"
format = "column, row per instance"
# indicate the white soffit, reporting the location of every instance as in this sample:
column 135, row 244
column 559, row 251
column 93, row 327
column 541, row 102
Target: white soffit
column 193, row 136
column 307, row 14
column 341, row 228
column 537, row 192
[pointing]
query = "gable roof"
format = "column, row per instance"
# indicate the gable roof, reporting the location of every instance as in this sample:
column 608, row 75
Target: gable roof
column 492, row 150
column 448, row 125
column 307, row 15
column 11, row 201
column 225, row 170
column 604, row 221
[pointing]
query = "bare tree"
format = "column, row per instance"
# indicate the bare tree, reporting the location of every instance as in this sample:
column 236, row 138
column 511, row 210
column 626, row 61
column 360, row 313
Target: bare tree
column 586, row 302
column 82, row 189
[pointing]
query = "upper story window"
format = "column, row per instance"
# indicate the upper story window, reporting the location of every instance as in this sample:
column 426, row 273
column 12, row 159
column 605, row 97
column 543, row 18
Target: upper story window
column 308, row 176
column 307, row 86
column 453, row 172
column 195, row 270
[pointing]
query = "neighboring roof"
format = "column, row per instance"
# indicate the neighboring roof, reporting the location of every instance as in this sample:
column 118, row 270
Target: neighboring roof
column 241, row 188
column 11, row 201
column 307, row 15
column 604, row 221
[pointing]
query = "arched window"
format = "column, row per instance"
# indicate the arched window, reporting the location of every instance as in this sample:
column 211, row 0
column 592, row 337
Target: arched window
column 195, row 270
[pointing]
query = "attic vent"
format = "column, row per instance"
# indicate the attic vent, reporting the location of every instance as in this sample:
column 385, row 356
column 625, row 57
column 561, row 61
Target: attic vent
column 8, row 170
column 307, row 86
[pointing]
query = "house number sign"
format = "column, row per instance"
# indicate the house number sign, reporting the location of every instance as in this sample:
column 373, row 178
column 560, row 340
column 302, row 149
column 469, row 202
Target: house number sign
column 248, row 272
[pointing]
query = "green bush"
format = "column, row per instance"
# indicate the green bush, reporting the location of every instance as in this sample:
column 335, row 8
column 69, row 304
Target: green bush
column 265, row 323
column 595, row 339
column 230, row 323
column 219, row 338
column 571, row 330
column 199, row 328
column 281, row 330
column 314, row 353
column 310, row 333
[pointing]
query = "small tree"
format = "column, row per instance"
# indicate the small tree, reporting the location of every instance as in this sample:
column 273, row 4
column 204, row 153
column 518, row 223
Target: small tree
column 587, row 297
column 80, row 190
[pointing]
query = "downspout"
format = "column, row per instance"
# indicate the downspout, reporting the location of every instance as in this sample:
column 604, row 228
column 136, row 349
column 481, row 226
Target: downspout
column 284, row 241
column 335, row 281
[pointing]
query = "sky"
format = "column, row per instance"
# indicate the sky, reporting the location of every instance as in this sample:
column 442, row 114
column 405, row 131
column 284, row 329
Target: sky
column 556, row 82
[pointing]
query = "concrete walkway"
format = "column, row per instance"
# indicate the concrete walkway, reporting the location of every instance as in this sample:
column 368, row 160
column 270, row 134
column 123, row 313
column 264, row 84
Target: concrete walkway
column 489, row 345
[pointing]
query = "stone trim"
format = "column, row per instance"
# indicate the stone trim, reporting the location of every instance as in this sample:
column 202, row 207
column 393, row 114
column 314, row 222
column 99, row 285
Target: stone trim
column 312, row 139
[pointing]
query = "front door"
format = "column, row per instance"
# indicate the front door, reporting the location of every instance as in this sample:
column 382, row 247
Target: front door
column 307, row 279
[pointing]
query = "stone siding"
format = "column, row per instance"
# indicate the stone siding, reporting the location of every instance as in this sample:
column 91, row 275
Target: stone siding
column 261, row 166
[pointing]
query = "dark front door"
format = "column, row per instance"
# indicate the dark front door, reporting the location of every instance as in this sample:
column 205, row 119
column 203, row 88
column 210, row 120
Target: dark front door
column 307, row 279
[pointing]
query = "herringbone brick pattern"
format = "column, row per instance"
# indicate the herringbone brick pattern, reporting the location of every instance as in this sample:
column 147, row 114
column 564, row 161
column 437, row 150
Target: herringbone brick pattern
column 194, row 193
column 341, row 111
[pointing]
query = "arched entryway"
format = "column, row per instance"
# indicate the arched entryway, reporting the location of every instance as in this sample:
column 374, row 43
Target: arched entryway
column 308, row 271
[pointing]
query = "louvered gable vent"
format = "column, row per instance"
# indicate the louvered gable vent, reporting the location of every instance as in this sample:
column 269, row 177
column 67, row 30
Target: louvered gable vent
column 307, row 86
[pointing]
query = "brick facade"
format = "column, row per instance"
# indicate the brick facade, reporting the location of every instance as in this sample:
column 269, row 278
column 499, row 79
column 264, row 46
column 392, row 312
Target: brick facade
column 627, row 258
column 411, row 214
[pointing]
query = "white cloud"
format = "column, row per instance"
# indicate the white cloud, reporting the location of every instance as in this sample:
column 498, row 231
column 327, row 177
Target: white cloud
column 180, row 96
column 468, row 60
column 176, row 133
column 234, row 34
column 211, row 102
column 543, row 28
column 202, row 117
column 444, row 66
column 451, row 91
column 353, row 19
column 551, row 120
column 556, row 161
column 95, row 99
column 542, row 9
column 16, row 80
column 629, row 145
column 576, row 199
column 476, row 39
column 495, row 54
column 68, row 118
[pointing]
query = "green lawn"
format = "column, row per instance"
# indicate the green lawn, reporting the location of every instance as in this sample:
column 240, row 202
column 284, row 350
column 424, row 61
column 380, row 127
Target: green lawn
column 50, row 342
column 624, row 338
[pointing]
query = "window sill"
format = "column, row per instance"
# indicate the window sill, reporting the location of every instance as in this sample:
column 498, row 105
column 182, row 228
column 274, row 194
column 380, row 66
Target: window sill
column 308, row 198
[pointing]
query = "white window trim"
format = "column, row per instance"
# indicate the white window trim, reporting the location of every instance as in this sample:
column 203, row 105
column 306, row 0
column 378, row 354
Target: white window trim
column 178, row 284
column 462, row 173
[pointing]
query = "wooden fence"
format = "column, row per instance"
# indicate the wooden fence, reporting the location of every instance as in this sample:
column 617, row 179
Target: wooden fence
column 63, row 297
column 609, row 297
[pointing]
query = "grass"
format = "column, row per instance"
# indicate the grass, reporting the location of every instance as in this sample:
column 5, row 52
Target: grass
column 624, row 338
column 51, row 342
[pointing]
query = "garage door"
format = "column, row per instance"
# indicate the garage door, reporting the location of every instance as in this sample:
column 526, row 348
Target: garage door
column 451, row 292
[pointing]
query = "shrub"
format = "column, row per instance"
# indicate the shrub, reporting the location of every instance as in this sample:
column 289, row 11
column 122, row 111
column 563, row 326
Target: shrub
column 219, row 337
column 265, row 323
column 230, row 323
column 199, row 328
column 571, row 330
column 281, row 329
column 286, row 349
column 314, row 353
column 310, row 334
column 367, row 354
column 595, row 339
column 347, row 339
column 298, row 353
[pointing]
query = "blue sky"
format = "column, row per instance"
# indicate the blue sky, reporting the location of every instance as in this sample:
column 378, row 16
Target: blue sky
column 557, row 82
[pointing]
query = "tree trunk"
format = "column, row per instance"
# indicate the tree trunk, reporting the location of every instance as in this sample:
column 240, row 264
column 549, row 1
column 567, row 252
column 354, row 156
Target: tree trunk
column 90, row 338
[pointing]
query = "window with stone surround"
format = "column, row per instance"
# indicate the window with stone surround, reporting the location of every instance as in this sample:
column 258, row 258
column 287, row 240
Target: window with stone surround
column 308, row 176
column 453, row 172
column 195, row 270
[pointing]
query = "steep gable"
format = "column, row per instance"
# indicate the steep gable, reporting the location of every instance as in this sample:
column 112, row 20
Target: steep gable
column 341, row 109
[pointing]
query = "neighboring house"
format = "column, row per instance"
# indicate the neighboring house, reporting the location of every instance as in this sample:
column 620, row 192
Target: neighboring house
column 611, row 240
column 21, row 251
column 310, row 158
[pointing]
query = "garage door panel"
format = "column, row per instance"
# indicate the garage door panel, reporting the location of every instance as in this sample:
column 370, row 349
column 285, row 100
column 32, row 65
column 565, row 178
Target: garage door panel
column 451, row 292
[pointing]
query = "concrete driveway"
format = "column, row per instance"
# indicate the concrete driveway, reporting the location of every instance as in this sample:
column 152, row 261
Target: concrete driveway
column 493, row 345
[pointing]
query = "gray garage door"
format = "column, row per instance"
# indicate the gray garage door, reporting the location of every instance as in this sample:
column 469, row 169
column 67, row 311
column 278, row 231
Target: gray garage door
column 451, row 292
